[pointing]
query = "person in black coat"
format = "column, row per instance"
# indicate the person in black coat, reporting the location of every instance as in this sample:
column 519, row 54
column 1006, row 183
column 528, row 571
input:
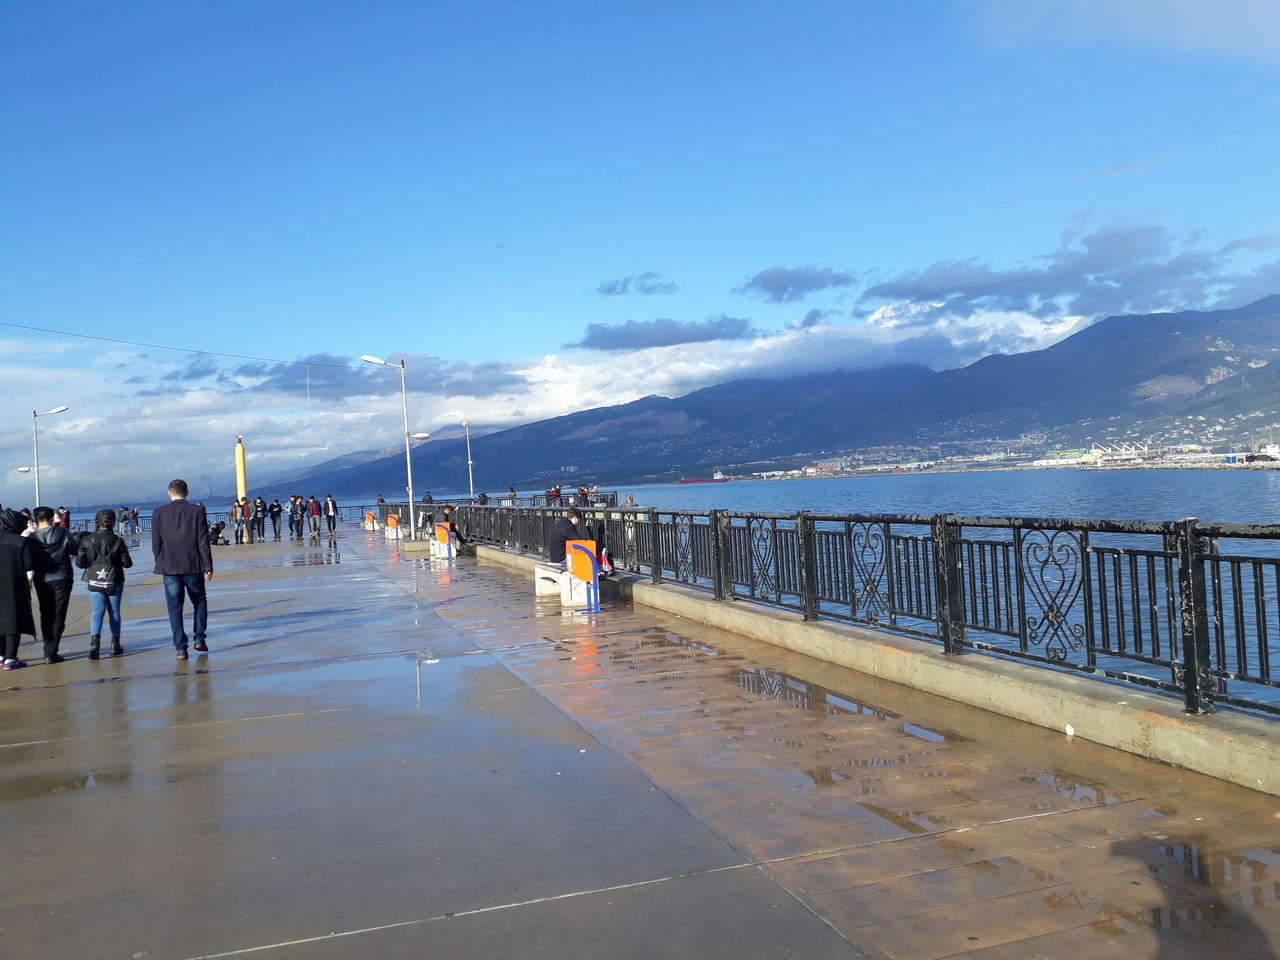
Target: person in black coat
column 103, row 557
column 447, row 519
column 53, row 583
column 18, row 554
column 565, row 529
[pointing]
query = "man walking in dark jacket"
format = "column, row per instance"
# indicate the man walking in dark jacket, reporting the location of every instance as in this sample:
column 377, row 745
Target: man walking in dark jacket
column 260, row 519
column 53, row 582
column 275, row 510
column 296, row 510
column 180, row 542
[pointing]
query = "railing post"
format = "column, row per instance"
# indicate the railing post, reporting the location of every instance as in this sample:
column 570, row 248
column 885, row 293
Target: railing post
column 948, row 582
column 807, row 565
column 1197, row 685
column 655, row 547
column 720, row 581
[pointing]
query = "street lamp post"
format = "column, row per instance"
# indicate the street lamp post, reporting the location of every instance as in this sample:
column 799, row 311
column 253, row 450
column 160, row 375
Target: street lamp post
column 408, row 437
column 471, row 484
column 35, row 443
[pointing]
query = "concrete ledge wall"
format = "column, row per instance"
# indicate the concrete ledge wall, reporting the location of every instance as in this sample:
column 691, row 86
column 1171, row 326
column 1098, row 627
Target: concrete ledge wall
column 1226, row 745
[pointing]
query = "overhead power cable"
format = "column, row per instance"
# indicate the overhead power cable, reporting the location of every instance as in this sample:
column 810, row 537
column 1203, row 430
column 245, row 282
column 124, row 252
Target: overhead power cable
column 162, row 346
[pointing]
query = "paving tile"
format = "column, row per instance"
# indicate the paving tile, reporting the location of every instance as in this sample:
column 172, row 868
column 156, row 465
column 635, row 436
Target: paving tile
column 953, row 930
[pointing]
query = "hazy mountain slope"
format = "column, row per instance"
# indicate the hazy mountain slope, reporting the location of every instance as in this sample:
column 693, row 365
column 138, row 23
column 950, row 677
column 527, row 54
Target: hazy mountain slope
column 1137, row 366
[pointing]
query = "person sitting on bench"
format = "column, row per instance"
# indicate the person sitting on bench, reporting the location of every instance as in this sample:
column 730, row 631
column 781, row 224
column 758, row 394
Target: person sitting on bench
column 566, row 529
column 453, row 527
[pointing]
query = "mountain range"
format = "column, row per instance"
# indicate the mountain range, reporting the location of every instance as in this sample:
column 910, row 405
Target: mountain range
column 1123, row 369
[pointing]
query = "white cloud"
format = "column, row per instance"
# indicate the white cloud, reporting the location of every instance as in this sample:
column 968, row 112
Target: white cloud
column 1234, row 28
column 138, row 419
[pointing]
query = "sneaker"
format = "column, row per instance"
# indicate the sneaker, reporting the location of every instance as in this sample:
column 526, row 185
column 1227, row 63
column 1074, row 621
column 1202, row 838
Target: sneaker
column 14, row 665
column 201, row 646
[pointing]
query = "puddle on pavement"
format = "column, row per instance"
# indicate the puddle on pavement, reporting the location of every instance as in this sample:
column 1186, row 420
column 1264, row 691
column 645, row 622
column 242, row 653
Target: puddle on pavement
column 28, row 788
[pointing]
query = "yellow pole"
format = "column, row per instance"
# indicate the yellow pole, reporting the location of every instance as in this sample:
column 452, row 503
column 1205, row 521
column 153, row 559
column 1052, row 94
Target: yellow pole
column 242, row 472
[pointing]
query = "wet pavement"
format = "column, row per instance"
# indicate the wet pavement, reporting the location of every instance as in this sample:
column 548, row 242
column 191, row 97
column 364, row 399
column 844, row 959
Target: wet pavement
column 400, row 757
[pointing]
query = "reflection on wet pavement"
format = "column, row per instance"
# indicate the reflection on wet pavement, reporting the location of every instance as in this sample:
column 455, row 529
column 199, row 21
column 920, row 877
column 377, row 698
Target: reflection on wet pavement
column 920, row 828
column 353, row 680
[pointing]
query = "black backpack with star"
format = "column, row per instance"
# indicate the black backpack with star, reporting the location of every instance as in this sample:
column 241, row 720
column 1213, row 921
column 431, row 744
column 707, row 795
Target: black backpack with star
column 101, row 571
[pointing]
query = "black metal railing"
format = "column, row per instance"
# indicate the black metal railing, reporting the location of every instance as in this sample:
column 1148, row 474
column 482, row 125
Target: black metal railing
column 85, row 524
column 1182, row 607
column 592, row 499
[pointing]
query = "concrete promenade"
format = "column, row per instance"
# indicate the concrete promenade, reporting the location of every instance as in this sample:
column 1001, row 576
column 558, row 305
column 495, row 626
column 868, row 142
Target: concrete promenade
column 390, row 757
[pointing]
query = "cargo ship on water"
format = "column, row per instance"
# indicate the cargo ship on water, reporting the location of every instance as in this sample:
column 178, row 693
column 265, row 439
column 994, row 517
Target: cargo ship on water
column 716, row 477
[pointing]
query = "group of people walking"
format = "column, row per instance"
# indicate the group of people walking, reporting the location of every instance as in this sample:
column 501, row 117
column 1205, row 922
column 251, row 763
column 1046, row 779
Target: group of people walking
column 44, row 561
column 248, row 518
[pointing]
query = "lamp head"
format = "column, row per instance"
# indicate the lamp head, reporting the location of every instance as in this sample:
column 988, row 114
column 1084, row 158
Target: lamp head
column 367, row 358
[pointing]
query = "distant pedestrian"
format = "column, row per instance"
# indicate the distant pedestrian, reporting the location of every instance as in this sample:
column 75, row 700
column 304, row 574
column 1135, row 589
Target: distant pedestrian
column 482, row 498
column 426, row 498
column 235, row 520
column 331, row 514
column 246, row 516
column 180, row 542
column 313, row 516
column 18, row 554
column 64, row 518
column 54, row 581
column 260, row 519
column 274, row 512
column 297, row 514
column 104, row 557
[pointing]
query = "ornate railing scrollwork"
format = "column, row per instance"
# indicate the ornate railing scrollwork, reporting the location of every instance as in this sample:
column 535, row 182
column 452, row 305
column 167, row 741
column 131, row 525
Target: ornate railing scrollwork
column 868, row 552
column 1053, row 571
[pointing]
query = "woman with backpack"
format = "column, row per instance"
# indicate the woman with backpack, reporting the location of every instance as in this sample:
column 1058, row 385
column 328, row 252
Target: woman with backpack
column 103, row 556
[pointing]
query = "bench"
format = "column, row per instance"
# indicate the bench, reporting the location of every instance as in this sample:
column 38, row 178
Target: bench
column 444, row 545
column 576, row 583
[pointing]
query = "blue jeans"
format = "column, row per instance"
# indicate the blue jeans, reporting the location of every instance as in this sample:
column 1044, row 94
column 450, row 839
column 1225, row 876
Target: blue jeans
column 108, row 603
column 192, row 585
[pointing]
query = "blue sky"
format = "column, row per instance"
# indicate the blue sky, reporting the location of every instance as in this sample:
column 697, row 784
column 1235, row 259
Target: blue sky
column 558, row 205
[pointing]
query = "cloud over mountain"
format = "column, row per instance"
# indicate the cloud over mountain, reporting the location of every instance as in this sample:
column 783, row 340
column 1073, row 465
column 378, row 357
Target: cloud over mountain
column 1133, row 268
column 662, row 332
column 789, row 284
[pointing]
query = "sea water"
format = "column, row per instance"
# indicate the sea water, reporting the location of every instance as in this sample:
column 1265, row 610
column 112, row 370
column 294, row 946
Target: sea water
column 1220, row 496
